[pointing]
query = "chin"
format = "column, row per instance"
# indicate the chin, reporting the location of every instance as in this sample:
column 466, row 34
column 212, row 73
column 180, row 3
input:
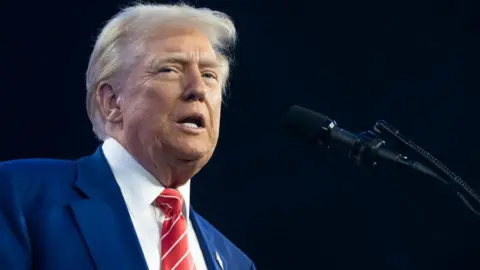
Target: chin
column 190, row 148
column 193, row 147
column 192, row 154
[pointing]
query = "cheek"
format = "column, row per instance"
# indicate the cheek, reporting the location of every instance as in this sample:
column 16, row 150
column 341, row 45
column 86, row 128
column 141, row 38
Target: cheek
column 215, row 96
column 215, row 110
column 147, row 108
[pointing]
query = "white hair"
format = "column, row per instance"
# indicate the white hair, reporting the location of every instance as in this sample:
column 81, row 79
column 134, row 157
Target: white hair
column 128, row 30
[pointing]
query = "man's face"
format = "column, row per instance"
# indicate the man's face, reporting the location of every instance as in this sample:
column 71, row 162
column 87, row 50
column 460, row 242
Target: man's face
column 172, row 98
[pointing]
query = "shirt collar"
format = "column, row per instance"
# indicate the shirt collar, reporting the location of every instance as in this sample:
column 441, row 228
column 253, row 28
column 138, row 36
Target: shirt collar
column 139, row 187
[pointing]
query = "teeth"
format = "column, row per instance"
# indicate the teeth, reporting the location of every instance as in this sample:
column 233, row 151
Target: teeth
column 191, row 125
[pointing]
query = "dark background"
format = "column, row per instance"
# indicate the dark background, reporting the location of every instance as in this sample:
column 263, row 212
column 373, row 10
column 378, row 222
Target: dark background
column 286, row 204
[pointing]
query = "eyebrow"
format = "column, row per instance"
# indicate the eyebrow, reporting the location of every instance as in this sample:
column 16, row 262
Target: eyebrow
column 182, row 58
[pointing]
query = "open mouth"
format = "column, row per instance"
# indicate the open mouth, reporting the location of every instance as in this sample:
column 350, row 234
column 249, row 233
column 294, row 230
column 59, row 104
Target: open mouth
column 195, row 121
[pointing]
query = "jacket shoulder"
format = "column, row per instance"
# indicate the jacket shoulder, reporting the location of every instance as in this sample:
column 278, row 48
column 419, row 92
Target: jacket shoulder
column 25, row 179
column 35, row 168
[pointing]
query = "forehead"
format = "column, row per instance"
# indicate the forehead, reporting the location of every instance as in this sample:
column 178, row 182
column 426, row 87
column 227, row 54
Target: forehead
column 180, row 44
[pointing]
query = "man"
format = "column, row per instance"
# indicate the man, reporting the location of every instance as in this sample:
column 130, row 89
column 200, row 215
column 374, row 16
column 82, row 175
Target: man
column 155, row 83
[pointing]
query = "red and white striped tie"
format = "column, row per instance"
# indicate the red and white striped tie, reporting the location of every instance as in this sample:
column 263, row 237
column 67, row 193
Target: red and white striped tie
column 175, row 253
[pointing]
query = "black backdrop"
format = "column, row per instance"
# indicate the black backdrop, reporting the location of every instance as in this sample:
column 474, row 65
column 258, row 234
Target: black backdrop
column 288, row 206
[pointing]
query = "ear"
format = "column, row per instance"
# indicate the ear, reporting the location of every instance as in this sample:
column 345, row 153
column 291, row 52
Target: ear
column 109, row 102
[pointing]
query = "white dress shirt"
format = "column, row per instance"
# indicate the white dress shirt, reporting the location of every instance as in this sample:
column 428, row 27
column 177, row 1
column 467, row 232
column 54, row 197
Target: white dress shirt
column 139, row 189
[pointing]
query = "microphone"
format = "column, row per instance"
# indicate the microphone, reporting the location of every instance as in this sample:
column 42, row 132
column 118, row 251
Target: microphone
column 316, row 128
column 364, row 148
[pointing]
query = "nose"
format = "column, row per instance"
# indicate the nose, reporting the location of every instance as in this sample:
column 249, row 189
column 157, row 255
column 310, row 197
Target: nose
column 196, row 89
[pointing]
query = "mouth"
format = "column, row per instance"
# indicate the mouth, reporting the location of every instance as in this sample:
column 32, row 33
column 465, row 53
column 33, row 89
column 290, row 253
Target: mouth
column 196, row 121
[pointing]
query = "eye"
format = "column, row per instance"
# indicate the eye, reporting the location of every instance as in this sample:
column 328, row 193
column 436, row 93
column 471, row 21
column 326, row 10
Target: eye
column 209, row 75
column 166, row 70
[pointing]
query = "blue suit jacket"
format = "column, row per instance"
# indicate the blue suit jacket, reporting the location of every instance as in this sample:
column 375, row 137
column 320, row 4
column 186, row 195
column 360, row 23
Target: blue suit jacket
column 58, row 214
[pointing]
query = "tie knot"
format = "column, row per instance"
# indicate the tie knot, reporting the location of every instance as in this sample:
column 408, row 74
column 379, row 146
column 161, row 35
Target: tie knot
column 170, row 201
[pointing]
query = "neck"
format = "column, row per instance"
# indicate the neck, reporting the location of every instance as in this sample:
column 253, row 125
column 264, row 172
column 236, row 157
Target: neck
column 170, row 172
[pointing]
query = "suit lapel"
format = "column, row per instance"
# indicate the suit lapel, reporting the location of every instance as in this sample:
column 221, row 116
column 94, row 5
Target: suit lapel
column 103, row 218
column 206, row 244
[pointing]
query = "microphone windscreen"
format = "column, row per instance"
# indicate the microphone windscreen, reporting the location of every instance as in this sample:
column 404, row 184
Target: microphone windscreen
column 306, row 124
